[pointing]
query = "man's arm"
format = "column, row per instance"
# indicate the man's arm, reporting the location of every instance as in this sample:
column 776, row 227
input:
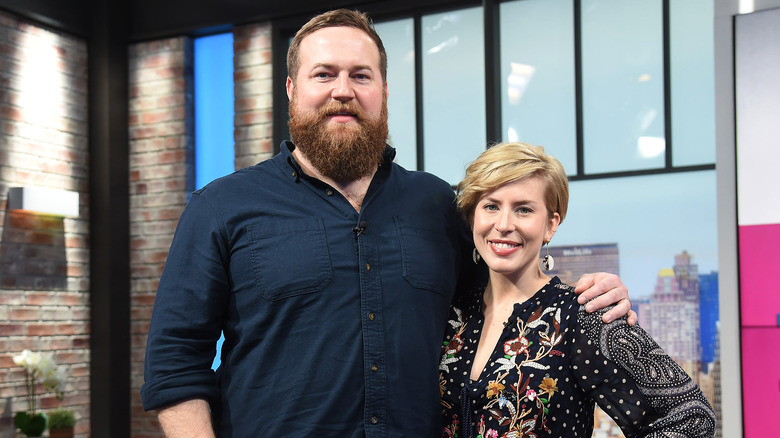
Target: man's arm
column 187, row 419
column 607, row 289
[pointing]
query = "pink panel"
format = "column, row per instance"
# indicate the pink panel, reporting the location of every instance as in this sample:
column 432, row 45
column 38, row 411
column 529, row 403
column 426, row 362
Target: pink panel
column 759, row 263
column 760, row 381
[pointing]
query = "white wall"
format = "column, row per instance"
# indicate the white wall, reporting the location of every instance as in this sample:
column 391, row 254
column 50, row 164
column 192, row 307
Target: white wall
column 731, row 384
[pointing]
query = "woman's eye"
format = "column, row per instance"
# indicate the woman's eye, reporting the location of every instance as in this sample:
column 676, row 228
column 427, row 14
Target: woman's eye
column 523, row 210
column 490, row 207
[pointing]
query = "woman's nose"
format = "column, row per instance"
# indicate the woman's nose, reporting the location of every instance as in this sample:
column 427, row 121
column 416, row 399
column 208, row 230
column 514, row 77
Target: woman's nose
column 504, row 221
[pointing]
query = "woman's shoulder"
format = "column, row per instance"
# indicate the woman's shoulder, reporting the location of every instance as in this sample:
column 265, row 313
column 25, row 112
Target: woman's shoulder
column 468, row 300
column 560, row 294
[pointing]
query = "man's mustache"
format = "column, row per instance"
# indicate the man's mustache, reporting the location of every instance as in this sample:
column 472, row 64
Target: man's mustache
column 341, row 108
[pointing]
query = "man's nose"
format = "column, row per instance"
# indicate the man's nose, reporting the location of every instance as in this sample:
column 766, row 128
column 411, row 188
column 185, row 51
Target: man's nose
column 342, row 89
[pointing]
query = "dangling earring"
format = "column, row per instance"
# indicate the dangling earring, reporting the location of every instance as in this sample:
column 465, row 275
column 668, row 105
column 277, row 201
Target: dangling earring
column 548, row 262
column 475, row 256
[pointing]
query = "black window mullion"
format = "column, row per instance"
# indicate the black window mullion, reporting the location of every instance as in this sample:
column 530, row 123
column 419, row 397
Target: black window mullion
column 418, row 91
column 667, row 85
column 578, row 88
column 492, row 37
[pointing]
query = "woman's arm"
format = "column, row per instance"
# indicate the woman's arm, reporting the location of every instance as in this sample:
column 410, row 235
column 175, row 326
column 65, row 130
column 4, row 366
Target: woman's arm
column 631, row 378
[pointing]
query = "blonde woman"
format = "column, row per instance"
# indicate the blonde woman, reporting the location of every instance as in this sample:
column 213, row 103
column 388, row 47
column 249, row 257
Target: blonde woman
column 521, row 358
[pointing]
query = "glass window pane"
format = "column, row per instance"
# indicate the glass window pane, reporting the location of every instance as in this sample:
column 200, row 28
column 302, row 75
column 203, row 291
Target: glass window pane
column 453, row 91
column 693, row 82
column 214, row 111
column 213, row 72
column 591, row 220
column 398, row 39
column 537, row 76
column 682, row 320
column 622, row 85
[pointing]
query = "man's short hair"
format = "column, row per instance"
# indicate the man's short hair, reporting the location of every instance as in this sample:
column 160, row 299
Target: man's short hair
column 335, row 18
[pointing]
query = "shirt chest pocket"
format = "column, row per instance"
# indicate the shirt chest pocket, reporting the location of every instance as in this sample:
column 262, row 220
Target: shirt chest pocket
column 428, row 256
column 290, row 258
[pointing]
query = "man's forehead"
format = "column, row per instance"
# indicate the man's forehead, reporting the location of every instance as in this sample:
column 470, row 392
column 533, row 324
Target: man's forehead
column 342, row 38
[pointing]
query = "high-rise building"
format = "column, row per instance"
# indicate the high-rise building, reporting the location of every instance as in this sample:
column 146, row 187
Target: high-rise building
column 573, row 261
column 672, row 314
column 710, row 315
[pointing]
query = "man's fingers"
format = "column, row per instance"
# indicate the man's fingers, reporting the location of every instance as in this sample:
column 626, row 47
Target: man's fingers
column 600, row 301
column 592, row 291
column 633, row 318
column 620, row 309
column 584, row 283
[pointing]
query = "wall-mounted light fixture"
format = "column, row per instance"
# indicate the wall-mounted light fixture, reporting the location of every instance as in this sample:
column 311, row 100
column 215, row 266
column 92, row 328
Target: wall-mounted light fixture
column 42, row 200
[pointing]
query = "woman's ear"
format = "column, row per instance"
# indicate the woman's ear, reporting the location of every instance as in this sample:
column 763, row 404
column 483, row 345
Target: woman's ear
column 552, row 226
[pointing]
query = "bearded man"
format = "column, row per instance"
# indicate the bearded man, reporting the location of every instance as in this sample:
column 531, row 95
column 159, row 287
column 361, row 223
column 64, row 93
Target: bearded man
column 329, row 268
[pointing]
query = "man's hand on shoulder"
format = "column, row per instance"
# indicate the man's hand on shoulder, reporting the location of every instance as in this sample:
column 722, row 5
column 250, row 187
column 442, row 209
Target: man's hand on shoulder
column 607, row 289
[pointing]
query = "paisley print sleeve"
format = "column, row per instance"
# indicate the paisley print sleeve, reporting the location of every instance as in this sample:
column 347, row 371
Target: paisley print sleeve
column 625, row 371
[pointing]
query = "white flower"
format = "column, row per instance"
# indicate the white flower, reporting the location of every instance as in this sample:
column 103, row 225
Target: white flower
column 45, row 366
column 41, row 366
column 28, row 360
column 54, row 381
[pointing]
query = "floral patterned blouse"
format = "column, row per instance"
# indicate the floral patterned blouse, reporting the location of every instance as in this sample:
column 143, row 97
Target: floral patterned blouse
column 552, row 363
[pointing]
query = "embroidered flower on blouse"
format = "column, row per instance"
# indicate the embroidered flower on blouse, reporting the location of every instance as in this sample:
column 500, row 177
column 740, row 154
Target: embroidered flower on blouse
column 491, row 433
column 516, row 346
column 494, row 388
column 548, row 386
column 454, row 346
column 531, row 394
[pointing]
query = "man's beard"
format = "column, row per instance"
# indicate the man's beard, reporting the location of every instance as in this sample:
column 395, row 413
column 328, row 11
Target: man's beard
column 342, row 153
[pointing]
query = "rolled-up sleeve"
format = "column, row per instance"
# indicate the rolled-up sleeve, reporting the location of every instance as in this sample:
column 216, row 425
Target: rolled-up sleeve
column 188, row 311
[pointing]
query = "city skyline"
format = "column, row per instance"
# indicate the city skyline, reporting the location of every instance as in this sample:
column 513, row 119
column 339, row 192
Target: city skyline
column 651, row 218
column 678, row 314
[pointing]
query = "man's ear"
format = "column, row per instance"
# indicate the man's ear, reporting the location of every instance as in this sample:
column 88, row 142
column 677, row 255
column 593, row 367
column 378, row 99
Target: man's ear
column 289, row 85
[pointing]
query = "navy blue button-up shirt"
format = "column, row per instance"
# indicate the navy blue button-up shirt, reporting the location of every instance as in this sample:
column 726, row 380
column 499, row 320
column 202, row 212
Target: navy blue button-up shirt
column 333, row 318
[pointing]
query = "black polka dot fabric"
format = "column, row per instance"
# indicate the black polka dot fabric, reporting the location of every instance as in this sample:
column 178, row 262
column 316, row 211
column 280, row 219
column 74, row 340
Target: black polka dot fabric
column 553, row 362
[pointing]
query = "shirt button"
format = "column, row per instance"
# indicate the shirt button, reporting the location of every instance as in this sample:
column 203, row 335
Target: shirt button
column 371, row 316
column 368, row 267
column 293, row 174
column 329, row 192
column 374, row 420
column 374, row 368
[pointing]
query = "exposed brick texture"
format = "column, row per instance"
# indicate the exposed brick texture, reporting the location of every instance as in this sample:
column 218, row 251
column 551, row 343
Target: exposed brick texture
column 44, row 260
column 161, row 176
column 253, row 91
column 161, row 162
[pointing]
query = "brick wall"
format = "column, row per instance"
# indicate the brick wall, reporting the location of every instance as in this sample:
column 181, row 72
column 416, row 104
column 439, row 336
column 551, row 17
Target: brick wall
column 253, row 93
column 161, row 176
column 162, row 167
column 44, row 260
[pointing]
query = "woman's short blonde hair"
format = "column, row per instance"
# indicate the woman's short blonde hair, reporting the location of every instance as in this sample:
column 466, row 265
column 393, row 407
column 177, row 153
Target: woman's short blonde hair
column 504, row 163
